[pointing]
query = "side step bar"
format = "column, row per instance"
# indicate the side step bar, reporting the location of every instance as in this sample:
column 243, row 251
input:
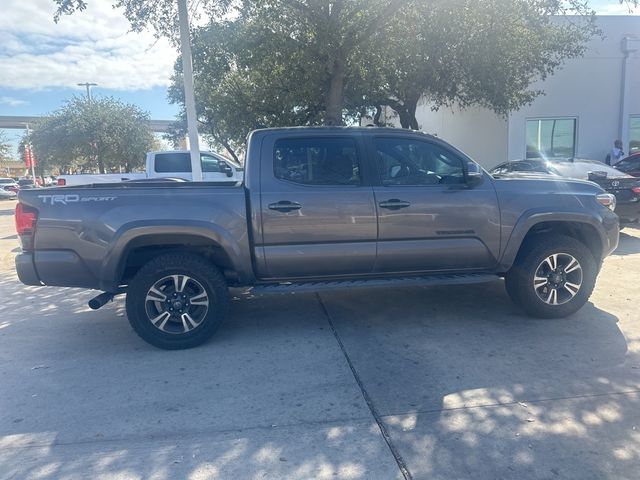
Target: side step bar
column 422, row 281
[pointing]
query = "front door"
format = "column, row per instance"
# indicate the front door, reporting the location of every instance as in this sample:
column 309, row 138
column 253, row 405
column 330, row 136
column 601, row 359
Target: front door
column 318, row 217
column 430, row 218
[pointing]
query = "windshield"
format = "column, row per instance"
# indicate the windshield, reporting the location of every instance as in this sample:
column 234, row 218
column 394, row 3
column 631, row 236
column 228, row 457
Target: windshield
column 7, row 180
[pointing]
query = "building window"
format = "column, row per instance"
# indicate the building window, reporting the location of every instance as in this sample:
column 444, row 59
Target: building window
column 634, row 134
column 551, row 137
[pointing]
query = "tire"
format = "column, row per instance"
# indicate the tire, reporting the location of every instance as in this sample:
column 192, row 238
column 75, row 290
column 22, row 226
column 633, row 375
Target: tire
column 567, row 287
column 177, row 301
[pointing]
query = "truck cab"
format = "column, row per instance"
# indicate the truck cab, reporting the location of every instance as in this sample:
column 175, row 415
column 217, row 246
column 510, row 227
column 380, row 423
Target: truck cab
column 177, row 164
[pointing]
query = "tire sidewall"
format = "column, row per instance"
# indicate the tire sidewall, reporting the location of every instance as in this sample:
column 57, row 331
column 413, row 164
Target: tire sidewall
column 162, row 267
column 520, row 278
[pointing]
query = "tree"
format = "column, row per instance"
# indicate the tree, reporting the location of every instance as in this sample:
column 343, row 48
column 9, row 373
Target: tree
column 238, row 87
column 102, row 134
column 462, row 51
column 5, row 146
column 466, row 52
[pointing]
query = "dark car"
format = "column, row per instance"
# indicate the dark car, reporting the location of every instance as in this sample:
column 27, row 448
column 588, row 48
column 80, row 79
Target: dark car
column 27, row 183
column 625, row 187
column 630, row 165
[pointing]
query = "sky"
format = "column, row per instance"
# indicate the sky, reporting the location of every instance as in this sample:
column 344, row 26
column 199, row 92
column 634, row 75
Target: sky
column 42, row 62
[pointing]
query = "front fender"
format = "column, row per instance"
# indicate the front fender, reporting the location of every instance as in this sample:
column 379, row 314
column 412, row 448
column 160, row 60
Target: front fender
column 604, row 225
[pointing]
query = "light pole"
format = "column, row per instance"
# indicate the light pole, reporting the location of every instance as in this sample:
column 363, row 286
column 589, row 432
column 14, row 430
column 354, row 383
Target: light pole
column 88, row 86
column 189, row 97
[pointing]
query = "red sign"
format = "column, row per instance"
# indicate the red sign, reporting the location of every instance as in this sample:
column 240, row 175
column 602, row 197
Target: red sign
column 29, row 157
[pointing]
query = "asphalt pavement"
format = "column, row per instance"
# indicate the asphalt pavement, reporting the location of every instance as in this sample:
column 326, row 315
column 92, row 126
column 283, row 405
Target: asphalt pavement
column 422, row 383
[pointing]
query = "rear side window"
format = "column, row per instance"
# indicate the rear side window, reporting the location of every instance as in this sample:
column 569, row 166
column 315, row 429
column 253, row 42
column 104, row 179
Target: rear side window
column 317, row 161
column 173, row 162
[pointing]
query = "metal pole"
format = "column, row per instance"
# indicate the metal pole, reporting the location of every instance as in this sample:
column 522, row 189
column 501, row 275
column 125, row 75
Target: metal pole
column 88, row 86
column 189, row 97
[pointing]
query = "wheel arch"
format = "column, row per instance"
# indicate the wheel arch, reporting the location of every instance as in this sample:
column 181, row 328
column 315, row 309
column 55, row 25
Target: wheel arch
column 139, row 244
column 581, row 227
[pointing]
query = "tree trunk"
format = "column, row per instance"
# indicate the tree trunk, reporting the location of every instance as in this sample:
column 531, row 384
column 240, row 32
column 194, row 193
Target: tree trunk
column 335, row 95
column 412, row 106
column 100, row 164
column 406, row 111
column 376, row 117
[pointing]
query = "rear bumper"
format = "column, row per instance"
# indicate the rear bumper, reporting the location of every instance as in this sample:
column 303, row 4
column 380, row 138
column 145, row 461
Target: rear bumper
column 26, row 269
column 60, row 268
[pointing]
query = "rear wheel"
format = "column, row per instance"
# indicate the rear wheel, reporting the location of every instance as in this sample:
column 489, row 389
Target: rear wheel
column 552, row 277
column 177, row 301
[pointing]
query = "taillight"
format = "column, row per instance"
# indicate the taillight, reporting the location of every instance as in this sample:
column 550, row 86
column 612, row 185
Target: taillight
column 636, row 190
column 608, row 200
column 26, row 218
column 62, row 182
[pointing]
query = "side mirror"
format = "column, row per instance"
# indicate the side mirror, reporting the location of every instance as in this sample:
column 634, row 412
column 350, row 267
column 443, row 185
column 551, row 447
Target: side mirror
column 226, row 169
column 474, row 173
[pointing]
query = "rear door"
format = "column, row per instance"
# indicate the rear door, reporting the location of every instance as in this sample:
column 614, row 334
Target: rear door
column 318, row 213
column 429, row 218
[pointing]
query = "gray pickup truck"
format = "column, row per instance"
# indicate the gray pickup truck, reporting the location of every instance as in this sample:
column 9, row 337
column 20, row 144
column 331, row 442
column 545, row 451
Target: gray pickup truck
column 320, row 208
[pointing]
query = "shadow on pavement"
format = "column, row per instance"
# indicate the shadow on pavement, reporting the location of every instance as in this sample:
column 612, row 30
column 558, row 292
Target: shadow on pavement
column 467, row 386
column 269, row 397
column 629, row 244
column 471, row 388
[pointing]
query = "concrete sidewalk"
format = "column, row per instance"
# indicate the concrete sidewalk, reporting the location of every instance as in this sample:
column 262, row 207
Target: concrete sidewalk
column 438, row 383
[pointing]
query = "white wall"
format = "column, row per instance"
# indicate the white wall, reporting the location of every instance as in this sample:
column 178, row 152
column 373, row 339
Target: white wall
column 478, row 132
column 588, row 89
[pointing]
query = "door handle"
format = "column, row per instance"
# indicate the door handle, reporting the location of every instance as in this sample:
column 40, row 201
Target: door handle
column 394, row 204
column 285, row 206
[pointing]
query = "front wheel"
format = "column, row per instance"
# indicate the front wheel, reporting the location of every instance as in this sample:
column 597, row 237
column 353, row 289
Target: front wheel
column 177, row 301
column 552, row 277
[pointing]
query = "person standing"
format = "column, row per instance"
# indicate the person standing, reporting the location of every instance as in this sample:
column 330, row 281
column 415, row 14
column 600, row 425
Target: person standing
column 616, row 154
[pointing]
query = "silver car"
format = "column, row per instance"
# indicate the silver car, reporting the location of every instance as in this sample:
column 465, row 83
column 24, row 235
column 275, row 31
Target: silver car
column 8, row 188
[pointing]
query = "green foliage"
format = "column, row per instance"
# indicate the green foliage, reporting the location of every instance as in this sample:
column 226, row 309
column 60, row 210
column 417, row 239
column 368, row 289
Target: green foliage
column 104, row 135
column 469, row 52
column 303, row 62
column 5, row 147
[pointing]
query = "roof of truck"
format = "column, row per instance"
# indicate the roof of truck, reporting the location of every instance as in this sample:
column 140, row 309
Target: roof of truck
column 344, row 129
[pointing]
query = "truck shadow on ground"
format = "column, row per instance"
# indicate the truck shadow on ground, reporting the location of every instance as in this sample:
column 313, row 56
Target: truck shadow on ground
column 466, row 385
column 629, row 243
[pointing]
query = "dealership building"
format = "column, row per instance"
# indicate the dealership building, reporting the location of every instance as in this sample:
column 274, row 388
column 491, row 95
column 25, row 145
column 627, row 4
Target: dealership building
column 588, row 103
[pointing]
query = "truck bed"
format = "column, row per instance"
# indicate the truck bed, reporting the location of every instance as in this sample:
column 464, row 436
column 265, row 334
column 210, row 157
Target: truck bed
column 90, row 227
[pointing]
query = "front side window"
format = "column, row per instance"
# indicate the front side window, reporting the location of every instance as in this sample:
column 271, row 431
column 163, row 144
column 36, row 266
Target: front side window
column 210, row 164
column 404, row 161
column 317, row 161
column 549, row 138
